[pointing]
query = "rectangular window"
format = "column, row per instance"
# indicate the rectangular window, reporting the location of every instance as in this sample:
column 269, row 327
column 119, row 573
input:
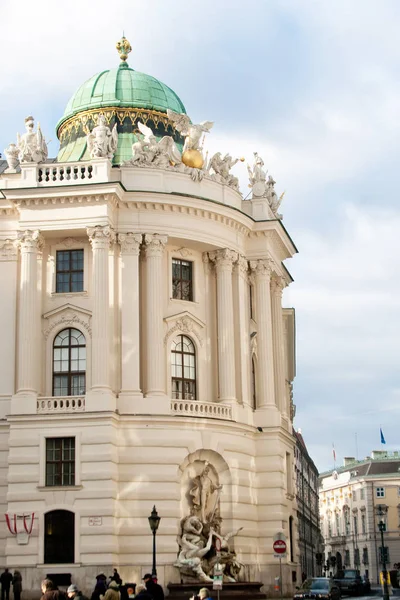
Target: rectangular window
column 354, row 496
column 362, row 494
column 60, row 461
column 69, row 271
column 363, row 523
column 355, row 524
column 380, row 492
column 182, row 279
column 251, row 300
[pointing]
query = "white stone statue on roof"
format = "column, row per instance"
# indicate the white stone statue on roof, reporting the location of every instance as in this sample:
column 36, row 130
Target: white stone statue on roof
column 31, row 145
column 192, row 155
column 222, row 166
column 147, row 151
column 102, row 141
column 11, row 153
column 258, row 177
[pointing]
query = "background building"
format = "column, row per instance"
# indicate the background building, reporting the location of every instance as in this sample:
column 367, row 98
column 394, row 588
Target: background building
column 143, row 345
column 308, row 520
column 350, row 499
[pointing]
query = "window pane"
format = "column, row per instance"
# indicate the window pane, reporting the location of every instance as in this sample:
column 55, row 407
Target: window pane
column 60, row 385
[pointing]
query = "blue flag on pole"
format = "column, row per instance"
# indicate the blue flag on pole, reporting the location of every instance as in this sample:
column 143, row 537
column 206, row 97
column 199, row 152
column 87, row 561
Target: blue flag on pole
column 383, row 441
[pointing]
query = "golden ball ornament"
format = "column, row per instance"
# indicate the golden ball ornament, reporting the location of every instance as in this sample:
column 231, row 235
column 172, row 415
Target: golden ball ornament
column 193, row 158
column 242, row 159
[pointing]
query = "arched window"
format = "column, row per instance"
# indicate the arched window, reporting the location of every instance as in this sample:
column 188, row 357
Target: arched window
column 183, row 368
column 253, row 383
column 69, row 363
column 59, row 537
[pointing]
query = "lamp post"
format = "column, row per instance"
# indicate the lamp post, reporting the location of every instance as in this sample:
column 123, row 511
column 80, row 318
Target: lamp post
column 154, row 521
column 381, row 511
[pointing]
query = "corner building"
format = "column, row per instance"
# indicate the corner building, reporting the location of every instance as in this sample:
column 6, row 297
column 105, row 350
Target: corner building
column 113, row 277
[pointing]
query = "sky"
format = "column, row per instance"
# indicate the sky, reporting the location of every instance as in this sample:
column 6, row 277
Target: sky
column 314, row 87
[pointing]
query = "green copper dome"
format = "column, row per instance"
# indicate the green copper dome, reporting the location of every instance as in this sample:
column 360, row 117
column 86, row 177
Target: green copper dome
column 124, row 96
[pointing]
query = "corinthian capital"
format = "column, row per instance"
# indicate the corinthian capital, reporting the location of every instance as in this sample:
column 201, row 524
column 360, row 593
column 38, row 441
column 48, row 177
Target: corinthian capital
column 242, row 264
column 8, row 249
column 155, row 244
column 261, row 267
column 101, row 236
column 277, row 285
column 223, row 258
column 130, row 242
column 30, row 241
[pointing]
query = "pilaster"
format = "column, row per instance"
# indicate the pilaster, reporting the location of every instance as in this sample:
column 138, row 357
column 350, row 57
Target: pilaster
column 154, row 245
column 277, row 285
column 29, row 347
column 100, row 397
column 224, row 260
column 130, row 338
column 265, row 361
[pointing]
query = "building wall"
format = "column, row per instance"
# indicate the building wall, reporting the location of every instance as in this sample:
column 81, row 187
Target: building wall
column 132, row 448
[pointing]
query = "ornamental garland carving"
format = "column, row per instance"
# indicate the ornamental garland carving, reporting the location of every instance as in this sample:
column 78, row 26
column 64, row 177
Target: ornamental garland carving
column 184, row 325
column 67, row 319
column 8, row 249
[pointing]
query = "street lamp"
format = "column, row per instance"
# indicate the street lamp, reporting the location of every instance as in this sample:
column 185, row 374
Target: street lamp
column 154, row 521
column 381, row 511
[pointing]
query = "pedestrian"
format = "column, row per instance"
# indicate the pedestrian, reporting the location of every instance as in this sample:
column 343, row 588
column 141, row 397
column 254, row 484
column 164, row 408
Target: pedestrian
column 142, row 592
column 17, row 585
column 153, row 587
column 204, row 594
column 116, row 577
column 100, row 587
column 112, row 594
column 50, row 591
column 73, row 592
column 5, row 581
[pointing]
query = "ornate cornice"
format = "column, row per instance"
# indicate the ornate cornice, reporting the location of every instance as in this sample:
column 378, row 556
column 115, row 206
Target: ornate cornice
column 80, row 121
column 101, row 236
column 155, row 244
column 30, row 240
column 8, row 249
column 111, row 199
column 130, row 243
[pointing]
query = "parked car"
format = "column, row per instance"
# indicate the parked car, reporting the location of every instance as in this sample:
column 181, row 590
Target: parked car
column 350, row 582
column 320, row 588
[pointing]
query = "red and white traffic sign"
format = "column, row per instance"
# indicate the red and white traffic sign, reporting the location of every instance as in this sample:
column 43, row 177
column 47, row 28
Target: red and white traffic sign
column 279, row 547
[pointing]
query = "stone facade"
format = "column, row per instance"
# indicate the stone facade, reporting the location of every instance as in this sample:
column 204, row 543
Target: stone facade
column 350, row 499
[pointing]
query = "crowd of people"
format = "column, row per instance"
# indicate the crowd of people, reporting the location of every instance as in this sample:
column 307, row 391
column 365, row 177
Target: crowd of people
column 106, row 588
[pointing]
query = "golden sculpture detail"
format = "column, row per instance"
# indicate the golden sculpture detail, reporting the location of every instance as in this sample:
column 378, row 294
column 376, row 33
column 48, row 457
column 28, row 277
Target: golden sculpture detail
column 123, row 47
column 193, row 158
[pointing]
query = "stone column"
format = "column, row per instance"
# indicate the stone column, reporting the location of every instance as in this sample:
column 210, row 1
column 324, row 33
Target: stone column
column 29, row 347
column 277, row 285
column 224, row 260
column 243, row 331
column 265, row 359
column 155, row 289
column 8, row 317
column 101, row 237
column 130, row 327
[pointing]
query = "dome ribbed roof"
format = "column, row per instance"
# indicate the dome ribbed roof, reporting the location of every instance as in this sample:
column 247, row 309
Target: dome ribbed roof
column 122, row 87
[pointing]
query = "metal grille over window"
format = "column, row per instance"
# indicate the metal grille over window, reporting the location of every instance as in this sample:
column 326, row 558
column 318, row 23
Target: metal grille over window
column 182, row 279
column 183, row 369
column 69, row 363
column 69, row 271
column 60, row 461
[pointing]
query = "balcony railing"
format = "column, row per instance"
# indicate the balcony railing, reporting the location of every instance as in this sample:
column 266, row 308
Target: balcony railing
column 201, row 409
column 61, row 404
column 57, row 174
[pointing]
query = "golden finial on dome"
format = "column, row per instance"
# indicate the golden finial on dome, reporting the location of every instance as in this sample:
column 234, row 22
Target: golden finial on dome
column 123, row 47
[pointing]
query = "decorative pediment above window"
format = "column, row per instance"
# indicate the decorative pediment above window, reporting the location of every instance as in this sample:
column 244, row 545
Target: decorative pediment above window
column 184, row 322
column 67, row 316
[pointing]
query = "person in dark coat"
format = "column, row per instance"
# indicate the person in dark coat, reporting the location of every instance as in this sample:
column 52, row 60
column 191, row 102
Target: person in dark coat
column 51, row 592
column 116, row 577
column 153, row 588
column 142, row 593
column 5, row 581
column 100, row 587
column 17, row 585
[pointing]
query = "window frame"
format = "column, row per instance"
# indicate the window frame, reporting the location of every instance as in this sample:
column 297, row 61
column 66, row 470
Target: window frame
column 67, row 432
column 70, row 374
column 174, row 260
column 70, row 271
column 50, row 254
column 61, row 462
column 183, row 379
column 380, row 492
